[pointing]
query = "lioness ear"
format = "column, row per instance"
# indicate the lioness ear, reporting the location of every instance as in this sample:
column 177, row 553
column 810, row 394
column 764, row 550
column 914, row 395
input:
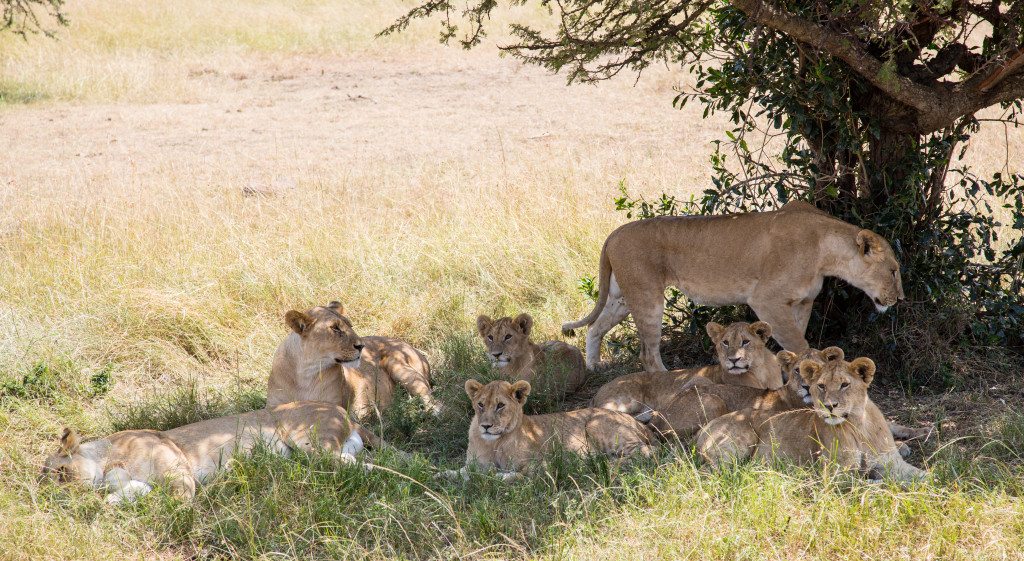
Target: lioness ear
column 298, row 321
column 809, row 370
column 472, row 386
column 524, row 322
column 865, row 368
column 69, row 441
column 761, row 329
column 483, row 323
column 520, row 390
column 714, row 330
column 833, row 353
column 786, row 358
column 337, row 307
column 868, row 242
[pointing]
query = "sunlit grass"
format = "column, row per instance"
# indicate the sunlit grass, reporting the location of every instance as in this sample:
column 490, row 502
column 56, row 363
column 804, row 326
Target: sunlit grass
column 141, row 287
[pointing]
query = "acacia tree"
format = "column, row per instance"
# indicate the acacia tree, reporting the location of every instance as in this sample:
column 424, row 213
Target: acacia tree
column 28, row 16
column 859, row 106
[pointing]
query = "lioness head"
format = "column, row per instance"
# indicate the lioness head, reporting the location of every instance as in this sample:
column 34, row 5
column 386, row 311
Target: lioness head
column 327, row 336
column 790, row 363
column 498, row 406
column 505, row 338
column 839, row 389
column 741, row 346
column 66, row 465
column 876, row 271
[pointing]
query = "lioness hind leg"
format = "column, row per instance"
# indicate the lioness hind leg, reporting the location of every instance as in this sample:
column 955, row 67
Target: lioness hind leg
column 725, row 441
column 901, row 432
column 648, row 328
column 614, row 311
column 687, row 414
column 416, row 382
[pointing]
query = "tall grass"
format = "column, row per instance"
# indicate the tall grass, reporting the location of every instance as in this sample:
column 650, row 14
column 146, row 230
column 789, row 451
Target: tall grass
column 153, row 233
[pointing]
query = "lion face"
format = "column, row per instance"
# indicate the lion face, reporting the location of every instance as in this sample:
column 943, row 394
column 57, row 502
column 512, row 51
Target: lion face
column 839, row 389
column 497, row 407
column 327, row 336
column 876, row 270
column 505, row 338
column 67, row 466
column 790, row 363
column 741, row 346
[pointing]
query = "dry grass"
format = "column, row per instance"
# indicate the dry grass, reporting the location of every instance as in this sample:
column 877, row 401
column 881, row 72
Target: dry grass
column 178, row 174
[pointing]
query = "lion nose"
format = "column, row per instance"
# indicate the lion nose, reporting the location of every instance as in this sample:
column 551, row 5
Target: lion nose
column 830, row 406
column 496, row 355
column 486, row 427
column 359, row 346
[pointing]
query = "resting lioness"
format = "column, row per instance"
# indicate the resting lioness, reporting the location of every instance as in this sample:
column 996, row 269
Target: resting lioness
column 703, row 401
column 553, row 368
column 127, row 464
column 791, row 366
column 774, row 262
column 743, row 360
column 838, row 426
column 324, row 360
column 502, row 438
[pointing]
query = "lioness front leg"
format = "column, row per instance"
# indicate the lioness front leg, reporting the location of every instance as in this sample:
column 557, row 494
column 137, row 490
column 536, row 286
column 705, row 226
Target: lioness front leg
column 781, row 315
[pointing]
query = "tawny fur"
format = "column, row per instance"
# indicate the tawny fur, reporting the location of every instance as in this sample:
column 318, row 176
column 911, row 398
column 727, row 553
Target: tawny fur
column 553, row 368
column 502, row 438
column 323, row 359
column 705, row 401
column 839, row 426
column 745, row 369
column 775, row 262
column 129, row 463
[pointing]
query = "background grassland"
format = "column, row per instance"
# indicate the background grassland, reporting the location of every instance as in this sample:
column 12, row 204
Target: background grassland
column 177, row 175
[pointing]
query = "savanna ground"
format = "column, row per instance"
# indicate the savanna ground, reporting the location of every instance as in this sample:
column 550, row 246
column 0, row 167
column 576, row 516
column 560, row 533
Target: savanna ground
column 177, row 175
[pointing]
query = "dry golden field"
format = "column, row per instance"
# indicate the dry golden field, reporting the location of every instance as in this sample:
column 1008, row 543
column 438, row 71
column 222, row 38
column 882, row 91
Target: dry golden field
column 177, row 175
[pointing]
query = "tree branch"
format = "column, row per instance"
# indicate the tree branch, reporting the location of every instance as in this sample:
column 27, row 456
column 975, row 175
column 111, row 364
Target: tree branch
column 1013, row 64
column 849, row 50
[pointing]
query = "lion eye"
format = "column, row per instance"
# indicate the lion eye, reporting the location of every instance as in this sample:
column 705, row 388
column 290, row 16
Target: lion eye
column 844, row 385
column 500, row 406
column 480, row 405
column 490, row 337
column 507, row 337
column 725, row 343
column 337, row 329
column 746, row 342
column 821, row 387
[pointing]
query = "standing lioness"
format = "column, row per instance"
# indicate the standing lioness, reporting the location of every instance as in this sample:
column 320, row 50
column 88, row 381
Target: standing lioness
column 775, row 262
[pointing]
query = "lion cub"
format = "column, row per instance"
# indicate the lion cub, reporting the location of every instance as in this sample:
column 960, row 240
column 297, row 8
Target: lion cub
column 502, row 438
column 838, row 426
column 743, row 360
column 705, row 400
column 324, row 360
column 127, row 464
column 554, row 368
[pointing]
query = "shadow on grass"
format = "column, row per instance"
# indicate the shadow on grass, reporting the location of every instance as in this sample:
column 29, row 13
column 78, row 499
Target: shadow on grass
column 310, row 506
